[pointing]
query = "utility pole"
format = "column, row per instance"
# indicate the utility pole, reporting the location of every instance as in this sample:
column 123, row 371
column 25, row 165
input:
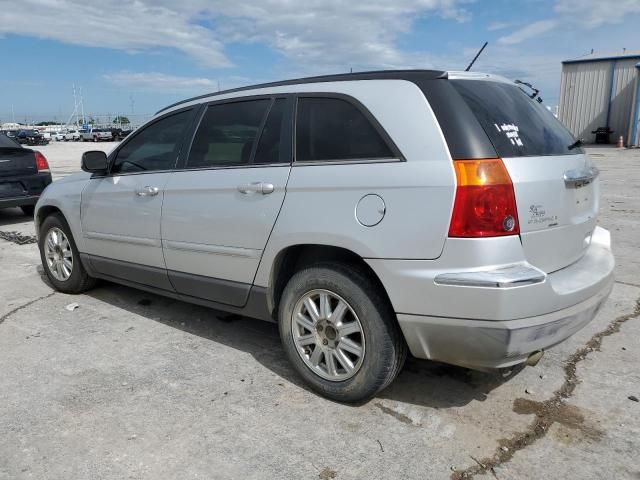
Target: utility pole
column 82, row 106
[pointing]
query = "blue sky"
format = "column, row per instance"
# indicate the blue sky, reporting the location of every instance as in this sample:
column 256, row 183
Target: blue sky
column 139, row 55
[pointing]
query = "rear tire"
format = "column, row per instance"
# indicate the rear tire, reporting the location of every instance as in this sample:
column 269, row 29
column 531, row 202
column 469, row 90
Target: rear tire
column 380, row 341
column 60, row 257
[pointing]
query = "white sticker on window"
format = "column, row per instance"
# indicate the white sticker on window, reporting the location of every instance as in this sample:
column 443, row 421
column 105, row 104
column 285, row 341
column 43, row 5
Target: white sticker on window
column 511, row 131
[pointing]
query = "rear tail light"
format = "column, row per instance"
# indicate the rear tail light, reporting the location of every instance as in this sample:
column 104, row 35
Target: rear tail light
column 41, row 163
column 485, row 204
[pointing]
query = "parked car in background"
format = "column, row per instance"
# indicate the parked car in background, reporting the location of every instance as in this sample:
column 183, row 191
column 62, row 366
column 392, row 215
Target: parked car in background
column 95, row 135
column 101, row 134
column 24, row 174
column 10, row 133
column 119, row 134
column 31, row 137
column 444, row 213
column 84, row 135
column 72, row 136
column 58, row 136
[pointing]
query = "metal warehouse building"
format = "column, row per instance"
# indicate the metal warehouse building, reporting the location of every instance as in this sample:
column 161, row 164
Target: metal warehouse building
column 600, row 92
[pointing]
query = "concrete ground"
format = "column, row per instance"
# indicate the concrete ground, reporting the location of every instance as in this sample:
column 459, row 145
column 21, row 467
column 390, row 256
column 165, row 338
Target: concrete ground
column 132, row 385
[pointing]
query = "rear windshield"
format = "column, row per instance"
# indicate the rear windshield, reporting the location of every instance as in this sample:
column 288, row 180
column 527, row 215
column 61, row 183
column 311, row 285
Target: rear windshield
column 6, row 142
column 517, row 125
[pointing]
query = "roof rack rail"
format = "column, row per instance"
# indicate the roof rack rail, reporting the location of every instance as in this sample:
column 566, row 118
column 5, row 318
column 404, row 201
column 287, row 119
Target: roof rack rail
column 340, row 77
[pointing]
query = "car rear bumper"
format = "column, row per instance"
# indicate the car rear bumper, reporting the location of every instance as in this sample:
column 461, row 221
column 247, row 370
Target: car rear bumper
column 495, row 315
column 18, row 201
column 485, row 344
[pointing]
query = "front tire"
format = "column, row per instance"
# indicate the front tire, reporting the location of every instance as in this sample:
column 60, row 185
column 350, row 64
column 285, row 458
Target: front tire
column 339, row 332
column 60, row 257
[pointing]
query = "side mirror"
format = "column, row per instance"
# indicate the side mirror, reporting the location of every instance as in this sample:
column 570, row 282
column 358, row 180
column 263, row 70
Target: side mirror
column 94, row 161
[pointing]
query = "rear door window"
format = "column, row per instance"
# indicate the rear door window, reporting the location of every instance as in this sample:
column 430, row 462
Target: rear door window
column 333, row 129
column 227, row 134
column 517, row 125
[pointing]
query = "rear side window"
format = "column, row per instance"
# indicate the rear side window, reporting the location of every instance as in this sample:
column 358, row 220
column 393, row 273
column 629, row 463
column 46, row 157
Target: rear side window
column 155, row 147
column 334, row 129
column 227, row 133
column 517, row 125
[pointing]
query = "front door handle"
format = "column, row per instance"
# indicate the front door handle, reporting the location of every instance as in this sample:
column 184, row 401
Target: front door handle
column 147, row 191
column 256, row 187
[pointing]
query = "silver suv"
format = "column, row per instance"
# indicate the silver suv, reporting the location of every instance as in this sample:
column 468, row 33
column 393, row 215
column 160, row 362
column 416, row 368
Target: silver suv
column 447, row 214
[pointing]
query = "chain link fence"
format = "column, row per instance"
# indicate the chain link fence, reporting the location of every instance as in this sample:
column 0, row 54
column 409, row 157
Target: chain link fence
column 108, row 120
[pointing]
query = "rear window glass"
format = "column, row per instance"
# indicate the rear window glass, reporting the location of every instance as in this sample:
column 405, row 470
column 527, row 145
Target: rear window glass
column 6, row 142
column 517, row 125
column 333, row 129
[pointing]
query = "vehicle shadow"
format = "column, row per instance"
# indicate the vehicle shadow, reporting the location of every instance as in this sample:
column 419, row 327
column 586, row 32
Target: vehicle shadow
column 12, row 216
column 421, row 382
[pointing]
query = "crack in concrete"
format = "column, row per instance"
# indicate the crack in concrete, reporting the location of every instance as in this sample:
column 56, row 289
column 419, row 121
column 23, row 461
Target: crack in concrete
column 21, row 307
column 547, row 412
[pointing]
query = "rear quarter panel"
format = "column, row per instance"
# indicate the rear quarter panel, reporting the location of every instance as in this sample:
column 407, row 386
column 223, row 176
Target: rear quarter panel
column 321, row 199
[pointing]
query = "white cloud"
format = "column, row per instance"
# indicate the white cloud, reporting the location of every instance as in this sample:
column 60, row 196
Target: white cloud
column 499, row 25
column 573, row 14
column 332, row 32
column 160, row 82
column 532, row 30
column 119, row 24
column 594, row 13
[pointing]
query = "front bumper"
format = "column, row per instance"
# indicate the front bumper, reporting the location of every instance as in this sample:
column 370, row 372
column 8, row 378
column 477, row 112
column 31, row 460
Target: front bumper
column 494, row 316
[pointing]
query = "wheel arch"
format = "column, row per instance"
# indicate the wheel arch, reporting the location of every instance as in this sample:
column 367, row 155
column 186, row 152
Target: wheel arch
column 49, row 206
column 291, row 259
column 43, row 212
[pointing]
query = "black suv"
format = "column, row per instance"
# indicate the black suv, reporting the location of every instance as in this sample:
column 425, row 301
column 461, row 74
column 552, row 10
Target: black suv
column 31, row 137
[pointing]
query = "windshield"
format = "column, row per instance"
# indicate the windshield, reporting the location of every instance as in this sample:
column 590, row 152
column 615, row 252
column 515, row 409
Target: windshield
column 517, row 125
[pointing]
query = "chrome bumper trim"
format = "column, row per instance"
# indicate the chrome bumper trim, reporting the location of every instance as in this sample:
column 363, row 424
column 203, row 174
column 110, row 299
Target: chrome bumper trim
column 515, row 275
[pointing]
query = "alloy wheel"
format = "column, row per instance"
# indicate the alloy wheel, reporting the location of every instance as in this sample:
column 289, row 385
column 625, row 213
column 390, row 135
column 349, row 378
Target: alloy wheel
column 328, row 335
column 58, row 254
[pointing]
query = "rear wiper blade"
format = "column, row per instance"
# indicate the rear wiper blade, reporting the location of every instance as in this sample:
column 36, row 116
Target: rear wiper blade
column 533, row 89
column 576, row 144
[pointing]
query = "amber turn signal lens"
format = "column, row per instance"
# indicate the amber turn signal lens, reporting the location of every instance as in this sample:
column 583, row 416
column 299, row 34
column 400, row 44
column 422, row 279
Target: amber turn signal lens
column 485, row 203
column 489, row 171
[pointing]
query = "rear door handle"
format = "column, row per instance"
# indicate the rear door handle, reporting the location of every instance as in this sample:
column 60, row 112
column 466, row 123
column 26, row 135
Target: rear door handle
column 147, row 191
column 580, row 177
column 256, row 187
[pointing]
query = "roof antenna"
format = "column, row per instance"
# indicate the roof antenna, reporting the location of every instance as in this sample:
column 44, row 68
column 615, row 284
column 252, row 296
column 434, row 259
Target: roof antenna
column 476, row 57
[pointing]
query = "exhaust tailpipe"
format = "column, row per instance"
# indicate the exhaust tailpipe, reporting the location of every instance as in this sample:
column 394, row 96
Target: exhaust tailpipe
column 534, row 358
